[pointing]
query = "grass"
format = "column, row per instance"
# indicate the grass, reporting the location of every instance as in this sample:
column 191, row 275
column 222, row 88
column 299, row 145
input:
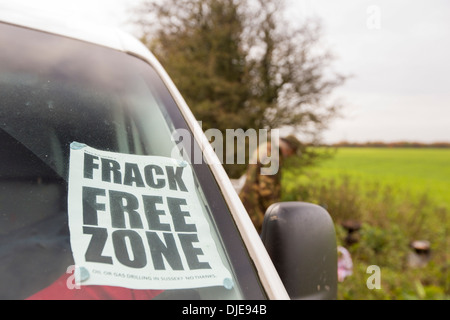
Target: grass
column 398, row 195
column 417, row 170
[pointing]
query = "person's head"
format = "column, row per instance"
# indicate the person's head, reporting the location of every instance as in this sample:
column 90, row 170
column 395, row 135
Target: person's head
column 289, row 146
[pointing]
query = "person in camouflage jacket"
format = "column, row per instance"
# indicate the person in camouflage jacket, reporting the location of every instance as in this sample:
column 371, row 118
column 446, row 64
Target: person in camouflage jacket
column 261, row 191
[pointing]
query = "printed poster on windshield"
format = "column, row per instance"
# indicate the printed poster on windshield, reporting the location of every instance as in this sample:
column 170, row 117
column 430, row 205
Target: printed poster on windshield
column 137, row 222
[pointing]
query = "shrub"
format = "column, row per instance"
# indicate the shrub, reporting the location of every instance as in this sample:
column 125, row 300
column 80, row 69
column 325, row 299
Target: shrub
column 390, row 219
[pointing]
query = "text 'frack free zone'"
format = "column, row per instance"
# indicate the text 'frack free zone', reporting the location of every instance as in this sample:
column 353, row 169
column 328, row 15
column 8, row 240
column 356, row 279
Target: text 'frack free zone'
column 128, row 214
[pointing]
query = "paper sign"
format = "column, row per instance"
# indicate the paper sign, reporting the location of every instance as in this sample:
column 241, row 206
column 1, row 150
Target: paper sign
column 136, row 222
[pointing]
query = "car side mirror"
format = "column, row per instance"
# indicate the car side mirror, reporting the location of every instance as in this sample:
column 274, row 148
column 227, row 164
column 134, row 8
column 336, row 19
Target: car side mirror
column 301, row 241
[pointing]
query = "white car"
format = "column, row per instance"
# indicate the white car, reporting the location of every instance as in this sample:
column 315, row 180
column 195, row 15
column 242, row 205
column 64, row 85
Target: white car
column 99, row 200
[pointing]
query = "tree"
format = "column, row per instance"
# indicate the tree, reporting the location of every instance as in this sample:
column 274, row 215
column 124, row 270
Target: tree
column 241, row 64
column 199, row 44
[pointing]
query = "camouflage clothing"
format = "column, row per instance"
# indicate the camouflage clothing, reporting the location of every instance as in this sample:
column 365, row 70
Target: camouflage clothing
column 260, row 191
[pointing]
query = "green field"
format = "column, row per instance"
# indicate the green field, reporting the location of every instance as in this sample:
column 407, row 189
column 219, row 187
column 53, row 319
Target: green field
column 416, row 170
column 398, row 195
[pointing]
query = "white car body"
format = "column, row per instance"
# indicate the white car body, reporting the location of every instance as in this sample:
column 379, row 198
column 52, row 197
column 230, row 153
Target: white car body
column 124, row 42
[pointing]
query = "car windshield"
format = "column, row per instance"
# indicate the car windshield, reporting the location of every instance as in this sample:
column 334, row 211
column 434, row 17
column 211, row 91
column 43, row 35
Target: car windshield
column 97, row 199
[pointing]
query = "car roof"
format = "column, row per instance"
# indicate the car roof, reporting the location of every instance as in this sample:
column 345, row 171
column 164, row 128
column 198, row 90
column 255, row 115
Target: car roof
column 107, row 36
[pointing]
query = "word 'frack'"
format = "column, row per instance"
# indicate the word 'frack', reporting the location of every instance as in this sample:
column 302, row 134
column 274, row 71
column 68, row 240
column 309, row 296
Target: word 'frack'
column 152, row 176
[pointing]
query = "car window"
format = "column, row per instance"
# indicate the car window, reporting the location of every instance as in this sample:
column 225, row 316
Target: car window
column 97, row 197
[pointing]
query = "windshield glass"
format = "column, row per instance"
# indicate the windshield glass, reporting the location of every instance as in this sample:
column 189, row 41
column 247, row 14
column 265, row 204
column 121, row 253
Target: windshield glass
column 97, row 199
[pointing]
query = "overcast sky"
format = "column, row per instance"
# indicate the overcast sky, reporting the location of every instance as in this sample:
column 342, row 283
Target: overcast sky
column 397, row 51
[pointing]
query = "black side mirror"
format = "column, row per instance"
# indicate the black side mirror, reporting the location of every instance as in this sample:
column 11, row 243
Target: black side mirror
column 301, row 240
